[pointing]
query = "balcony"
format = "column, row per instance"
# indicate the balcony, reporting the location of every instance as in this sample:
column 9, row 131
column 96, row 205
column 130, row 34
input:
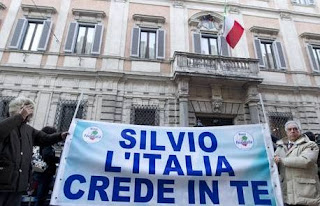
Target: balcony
column 217, row 67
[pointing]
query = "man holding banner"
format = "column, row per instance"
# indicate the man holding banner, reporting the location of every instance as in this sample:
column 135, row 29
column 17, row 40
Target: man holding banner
column 296, row 157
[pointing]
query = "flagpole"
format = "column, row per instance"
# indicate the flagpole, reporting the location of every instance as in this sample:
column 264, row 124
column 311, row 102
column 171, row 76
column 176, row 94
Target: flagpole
column 223, row 28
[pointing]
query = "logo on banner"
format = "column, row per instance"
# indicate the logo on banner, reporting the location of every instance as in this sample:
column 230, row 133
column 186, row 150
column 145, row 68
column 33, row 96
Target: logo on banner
column 92, row 134
column 243, row 140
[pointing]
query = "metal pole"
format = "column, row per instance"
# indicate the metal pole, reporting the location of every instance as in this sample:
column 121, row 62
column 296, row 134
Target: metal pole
column 78, row 105
column 263, row 110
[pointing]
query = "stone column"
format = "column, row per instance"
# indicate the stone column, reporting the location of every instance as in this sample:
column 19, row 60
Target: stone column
column 252, row 101
column 183, row 94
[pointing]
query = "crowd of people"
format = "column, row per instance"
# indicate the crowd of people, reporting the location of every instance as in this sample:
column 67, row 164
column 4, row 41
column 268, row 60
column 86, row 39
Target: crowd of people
column 296, row 155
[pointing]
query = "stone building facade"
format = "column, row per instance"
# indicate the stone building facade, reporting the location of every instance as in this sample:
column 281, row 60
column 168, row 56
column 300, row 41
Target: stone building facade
column 162, row 62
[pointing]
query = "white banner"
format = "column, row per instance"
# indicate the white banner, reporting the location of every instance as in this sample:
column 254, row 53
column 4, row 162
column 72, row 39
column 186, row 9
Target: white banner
column 119, row 164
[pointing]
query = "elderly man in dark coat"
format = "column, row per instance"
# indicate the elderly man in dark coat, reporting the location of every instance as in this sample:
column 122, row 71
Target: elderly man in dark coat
column 16, row 141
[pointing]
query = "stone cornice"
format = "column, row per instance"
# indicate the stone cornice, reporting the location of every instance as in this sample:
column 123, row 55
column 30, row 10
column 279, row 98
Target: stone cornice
column 90, row 13
column 2, row 6
column 38, row 9
column 309, row 35
column 149, row 18
column 264, row 30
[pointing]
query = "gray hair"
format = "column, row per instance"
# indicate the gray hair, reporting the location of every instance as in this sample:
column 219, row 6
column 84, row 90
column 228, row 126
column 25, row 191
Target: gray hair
column 292, row 122
column 16, row 104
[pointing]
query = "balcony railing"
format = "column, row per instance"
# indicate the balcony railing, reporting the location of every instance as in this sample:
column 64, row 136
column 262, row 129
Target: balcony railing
column 215, row 65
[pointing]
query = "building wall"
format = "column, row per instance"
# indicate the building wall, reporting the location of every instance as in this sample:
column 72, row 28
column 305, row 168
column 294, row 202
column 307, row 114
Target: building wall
column 114, row 81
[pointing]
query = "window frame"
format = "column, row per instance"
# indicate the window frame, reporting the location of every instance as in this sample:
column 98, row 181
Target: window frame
column 37, row 22
column 146, row 109
column 87, row 25
column 148, row 30
column 208, row 37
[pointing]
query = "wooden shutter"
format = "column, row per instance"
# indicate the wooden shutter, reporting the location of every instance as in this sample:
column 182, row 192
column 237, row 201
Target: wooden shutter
column 280, row 58
column 257, row 49
column 312, row 58
column 135, row 42
column 196, row 43
column 18, row 34
column 43, row 42
column 161, row 42
column 224, row 47
column 71, row 37
column 98, row 33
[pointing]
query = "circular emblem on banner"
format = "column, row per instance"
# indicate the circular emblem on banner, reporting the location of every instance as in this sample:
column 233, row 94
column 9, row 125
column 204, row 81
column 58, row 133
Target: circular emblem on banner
column 92, row 134
column 243, row 140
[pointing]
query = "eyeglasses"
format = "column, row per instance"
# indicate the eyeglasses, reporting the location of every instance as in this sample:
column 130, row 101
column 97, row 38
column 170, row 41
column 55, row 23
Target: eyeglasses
column 293, row 129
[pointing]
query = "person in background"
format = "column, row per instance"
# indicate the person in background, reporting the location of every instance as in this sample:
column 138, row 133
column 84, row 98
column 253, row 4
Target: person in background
column 17, row 138
column 296, row 157
column 45, row 179
column 311, row 136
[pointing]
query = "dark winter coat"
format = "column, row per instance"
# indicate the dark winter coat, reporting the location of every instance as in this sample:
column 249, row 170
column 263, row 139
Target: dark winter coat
column 16, row 142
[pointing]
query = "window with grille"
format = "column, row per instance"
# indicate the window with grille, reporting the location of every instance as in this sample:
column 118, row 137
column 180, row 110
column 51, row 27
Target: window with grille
column 277, row 121
column 4, row 107
column 65, row 112
column 144, row 115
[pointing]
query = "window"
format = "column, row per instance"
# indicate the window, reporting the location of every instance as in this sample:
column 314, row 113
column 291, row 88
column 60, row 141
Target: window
column 277, row 121
column 84, row 38
column 4, row 107
column 214, row 121
column 65, row 112
column 209, row 45
column 144, row 115
column 304, row 2
column 148, row 43
column 270, row 54
column 31, row 35
column 314, row 56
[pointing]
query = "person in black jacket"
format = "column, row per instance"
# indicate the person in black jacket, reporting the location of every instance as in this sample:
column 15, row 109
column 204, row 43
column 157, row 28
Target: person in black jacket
column 44, row 179
column 16, row 142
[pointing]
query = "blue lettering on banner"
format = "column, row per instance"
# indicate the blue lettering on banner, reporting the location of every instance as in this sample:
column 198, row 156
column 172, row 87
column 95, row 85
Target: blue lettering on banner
column 240, row 185
column 131, row 139
column 257, row 193
column 117, row 188
column 137, row 190
column 101, row 188
column 162, row 189
column 67, row 187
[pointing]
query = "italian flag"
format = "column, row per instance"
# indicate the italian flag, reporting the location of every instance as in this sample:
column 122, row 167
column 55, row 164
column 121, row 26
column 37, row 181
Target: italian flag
column 232, row 31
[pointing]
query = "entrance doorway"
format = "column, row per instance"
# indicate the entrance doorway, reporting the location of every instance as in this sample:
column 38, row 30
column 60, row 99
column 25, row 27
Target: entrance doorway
column 215, row 121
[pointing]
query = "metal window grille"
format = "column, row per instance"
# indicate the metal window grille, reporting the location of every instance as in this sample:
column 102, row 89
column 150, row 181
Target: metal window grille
column 65, row 112
column 277, row 121
column 144, row 115
column 4, row 106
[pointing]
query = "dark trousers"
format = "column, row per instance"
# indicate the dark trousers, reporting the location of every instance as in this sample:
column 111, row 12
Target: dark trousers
column 44, row 182
column 10, row 198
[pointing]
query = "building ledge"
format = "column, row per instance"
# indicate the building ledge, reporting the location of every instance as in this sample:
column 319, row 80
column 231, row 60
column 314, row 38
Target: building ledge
column 38, row 9
column 308, row 35
column 264, row 30
column 89, row 13
column 149, row 18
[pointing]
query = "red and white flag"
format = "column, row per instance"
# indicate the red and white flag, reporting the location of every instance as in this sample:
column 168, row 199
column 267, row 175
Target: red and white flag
column 232, row 31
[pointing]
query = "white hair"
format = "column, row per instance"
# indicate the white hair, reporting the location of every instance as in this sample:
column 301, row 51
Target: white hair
column 16, row 104
column 292, row 122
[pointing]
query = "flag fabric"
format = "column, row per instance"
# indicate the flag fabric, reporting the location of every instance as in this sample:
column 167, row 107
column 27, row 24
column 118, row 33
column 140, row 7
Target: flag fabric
column 232, row 31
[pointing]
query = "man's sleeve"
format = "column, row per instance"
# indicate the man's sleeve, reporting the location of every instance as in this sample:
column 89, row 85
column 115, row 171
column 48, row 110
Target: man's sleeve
column 8, row 124
column 308, row 156
column 44, row 139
